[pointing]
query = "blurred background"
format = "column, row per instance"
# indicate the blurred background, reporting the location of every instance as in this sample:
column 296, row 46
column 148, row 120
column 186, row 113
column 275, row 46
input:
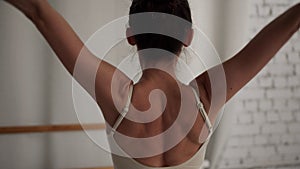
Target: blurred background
column 260, row 127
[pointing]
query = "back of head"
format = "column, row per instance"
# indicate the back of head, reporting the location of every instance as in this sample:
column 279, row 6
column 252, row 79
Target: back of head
column 179, row 8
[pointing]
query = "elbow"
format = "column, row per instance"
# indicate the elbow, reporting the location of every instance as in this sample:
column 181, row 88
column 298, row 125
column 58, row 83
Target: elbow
column 34, row 13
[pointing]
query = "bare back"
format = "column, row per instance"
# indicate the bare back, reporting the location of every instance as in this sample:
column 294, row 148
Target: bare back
column 165, row 109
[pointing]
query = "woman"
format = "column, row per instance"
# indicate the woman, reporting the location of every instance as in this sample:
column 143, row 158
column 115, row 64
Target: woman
column 189, row 152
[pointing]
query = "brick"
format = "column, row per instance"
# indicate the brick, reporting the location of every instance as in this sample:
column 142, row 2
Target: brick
column 233, row 142
column 281, row 58
column 239, row 106
column 223, row 163
column 274, row 139
column 236, row 152
column 266, row 81
column 249, row 161
column 245, row 118
column 292, row 158
column 272, row 117
column 259, row 118
column 235, row 119
column 277, row 10
column 260, row 140
column 294, row 127
column 293, row 81
column 294, row 57
column 279, row 93
column 293, row 105
column 264, row 11
column 253, row 10
column 233, row 163
column 286, row 116
column 290, row 149
column 262, row 151
column 279, row 70
column 252, row 94
column 257, row 2
column 280, row 82
column 297, row 116
column 297, row 69
column 274, row 128
column 287, row 139
column 265, row 104
column 297, row 47
column 270, row 160
column 246, row 141
column 296, row 93
column 297, row 138
column 277, row 2
column 251, row 105
column 279, row 104
column 246, row 130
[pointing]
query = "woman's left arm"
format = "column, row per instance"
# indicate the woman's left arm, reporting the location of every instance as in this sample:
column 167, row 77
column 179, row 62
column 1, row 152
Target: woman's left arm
column 241, row 68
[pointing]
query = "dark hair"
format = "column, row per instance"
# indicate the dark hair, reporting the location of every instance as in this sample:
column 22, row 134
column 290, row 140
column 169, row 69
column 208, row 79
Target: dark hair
column 179, row 8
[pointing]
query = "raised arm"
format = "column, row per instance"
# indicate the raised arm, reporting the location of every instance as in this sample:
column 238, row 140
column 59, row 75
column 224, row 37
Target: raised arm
column 67, row 46
column 241, row 68
column 54, row 28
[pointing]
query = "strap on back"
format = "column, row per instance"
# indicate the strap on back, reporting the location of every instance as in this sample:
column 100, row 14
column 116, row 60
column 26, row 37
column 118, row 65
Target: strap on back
column 203, row 113
column 124, row 111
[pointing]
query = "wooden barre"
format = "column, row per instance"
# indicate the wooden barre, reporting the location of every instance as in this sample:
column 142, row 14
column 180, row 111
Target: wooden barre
column 50, row 128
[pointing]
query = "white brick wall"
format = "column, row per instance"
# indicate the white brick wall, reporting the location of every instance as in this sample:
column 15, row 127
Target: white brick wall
column 266, row 131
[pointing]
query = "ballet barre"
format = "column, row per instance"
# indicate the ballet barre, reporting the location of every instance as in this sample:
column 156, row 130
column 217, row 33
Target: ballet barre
column 50, row 128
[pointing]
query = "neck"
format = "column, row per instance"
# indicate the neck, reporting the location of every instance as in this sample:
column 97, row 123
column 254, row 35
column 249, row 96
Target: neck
column 157, row 66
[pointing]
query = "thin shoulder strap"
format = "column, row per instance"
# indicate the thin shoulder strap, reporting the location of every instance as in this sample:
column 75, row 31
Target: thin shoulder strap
column 124, row 111
column 203, row 113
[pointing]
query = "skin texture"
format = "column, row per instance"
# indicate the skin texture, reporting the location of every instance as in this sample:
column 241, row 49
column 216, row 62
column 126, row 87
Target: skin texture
column 239, row 70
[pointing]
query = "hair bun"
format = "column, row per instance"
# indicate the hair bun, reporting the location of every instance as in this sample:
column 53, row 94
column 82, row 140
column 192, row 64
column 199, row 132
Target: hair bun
column 179, row 8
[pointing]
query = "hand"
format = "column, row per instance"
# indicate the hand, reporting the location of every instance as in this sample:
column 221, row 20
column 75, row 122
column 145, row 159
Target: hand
column 30, row 8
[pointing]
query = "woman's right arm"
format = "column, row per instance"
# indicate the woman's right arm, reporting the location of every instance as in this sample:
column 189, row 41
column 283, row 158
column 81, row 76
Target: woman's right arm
column 68, row 46
column 58, row 33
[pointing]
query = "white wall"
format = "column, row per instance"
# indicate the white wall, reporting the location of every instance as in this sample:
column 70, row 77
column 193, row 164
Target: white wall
column 266, row 129
column 232, row 31
column 22, row 89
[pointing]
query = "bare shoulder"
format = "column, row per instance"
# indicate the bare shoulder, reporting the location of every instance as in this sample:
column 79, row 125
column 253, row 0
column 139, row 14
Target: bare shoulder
column 112, row 93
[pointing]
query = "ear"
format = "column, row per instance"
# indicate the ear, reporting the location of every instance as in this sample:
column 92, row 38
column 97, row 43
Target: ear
column 189, row 38
column 130, row 37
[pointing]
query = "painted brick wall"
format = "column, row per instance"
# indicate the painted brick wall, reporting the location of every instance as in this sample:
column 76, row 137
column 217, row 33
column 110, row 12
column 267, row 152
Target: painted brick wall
column 266, row 130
